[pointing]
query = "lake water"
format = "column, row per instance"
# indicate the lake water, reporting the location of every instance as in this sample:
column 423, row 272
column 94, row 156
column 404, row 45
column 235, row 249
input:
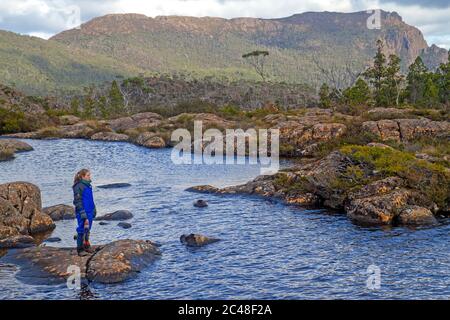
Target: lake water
column 268, row 250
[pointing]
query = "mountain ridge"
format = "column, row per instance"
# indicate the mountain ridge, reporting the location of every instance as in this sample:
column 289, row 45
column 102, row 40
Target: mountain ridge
column 309, row 30
column 131, row 44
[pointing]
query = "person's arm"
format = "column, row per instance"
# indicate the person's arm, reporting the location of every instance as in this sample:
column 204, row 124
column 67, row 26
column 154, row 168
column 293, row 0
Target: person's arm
column 78, row 200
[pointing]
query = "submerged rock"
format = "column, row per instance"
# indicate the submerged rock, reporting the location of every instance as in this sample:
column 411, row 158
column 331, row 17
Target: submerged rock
column 60, row 212
column 119, row 215
column 115, row 186
column 200, row 204
column 203, row 189
column 111, row 263
column 196, row 240
column 53, row 240
column 124, row 225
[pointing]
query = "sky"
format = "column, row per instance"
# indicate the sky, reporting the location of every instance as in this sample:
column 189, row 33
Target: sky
column 44, row 18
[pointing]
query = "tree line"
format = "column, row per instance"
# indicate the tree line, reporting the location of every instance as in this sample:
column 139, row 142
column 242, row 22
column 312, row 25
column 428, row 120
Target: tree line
column 383, row 85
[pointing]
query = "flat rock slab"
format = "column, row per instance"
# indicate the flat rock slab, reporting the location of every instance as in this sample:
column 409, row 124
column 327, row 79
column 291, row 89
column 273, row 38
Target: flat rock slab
column 111, row 263
column 115, row 186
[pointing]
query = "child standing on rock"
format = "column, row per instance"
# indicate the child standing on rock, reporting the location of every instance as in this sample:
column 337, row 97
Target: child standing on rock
column 84, row 208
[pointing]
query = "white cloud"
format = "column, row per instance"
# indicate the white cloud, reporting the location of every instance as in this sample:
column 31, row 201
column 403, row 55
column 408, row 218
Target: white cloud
column 44, row 17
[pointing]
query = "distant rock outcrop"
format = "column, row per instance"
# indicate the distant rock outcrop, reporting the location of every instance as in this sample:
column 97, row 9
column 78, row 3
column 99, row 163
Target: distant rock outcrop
column 407, row 129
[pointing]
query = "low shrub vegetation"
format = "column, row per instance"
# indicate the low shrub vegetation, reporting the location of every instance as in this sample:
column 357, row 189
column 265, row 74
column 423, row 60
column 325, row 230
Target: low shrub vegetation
column 432, row 179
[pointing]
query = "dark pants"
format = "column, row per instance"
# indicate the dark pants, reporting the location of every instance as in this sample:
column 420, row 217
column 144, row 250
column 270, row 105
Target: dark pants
column 82, row 233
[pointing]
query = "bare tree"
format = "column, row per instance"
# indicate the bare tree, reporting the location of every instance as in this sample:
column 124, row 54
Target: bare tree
column 339, row 76
column 257, row 59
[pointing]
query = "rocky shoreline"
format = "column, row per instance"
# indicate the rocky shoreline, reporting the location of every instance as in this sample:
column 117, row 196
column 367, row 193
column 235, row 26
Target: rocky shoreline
column 327, row 182
column 332, row 179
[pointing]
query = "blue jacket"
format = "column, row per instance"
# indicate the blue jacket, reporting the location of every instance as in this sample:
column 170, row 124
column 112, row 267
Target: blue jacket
column 84, row 199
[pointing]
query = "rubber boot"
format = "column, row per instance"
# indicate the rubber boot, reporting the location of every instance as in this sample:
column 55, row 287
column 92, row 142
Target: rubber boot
column 80, row 247
column 86, row 243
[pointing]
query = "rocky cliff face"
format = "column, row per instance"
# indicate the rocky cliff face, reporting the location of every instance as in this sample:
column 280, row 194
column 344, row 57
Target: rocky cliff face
column 215, row 45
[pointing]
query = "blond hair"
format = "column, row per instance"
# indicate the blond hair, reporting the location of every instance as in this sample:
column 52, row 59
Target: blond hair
column 79, row 176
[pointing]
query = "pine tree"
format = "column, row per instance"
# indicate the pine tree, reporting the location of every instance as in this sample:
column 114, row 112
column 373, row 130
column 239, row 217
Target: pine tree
column 430, row 92
column 89, row 103
column 116, row 99
column 324, row 94
column 358, row 95
column 75, row 106
column 393, row 82
column 376, row 75
column 416, row 81
column 444, row 81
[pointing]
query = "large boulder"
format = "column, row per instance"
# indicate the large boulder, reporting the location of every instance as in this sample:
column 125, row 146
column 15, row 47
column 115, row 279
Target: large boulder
column 406, row 129
column 60, row 212
column 150, row 140
column 415, row 215
column 111, row 263
column 140, row 120
column 303, row 133
column 15, row 145
column 68, row 120
column 208, row 120
column 21, row 211
column 79, row 130
column 389, row 201
column 110, row 136
column 8, row 147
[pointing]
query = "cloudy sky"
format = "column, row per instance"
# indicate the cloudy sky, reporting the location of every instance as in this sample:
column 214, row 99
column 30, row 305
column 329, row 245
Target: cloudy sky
column 44, row 18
